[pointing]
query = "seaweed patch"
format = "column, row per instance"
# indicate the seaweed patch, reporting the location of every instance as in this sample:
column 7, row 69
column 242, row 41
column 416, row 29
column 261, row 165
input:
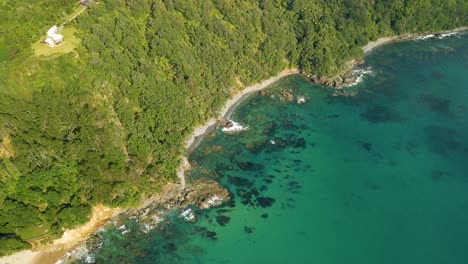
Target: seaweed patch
column 265, row 201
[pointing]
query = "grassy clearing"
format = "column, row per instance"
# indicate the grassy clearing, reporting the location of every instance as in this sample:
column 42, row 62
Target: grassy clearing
column 35, row 233
column 6, row 150
column 70, row 43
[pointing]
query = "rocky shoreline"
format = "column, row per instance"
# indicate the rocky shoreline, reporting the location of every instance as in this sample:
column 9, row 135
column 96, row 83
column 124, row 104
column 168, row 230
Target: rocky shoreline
column 353, row 72
column 347, row 78
column 201, row 195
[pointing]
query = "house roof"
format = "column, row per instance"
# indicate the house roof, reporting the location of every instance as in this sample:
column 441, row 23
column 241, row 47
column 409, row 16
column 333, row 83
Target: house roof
column 49, row 41
column 52, row 31
column 53, row 35
column 57, row 37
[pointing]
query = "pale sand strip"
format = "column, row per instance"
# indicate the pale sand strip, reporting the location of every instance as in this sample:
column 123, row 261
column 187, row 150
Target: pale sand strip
column 380, row 42
column 22, row 257
column 386, row 40
column 229, row 106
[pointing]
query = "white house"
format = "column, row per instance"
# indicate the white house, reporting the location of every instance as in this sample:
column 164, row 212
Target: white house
column 53, row 37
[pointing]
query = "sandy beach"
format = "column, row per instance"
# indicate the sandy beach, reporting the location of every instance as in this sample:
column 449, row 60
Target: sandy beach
column 380, row 42
column 230, row 105
column 22, row 257
column 49, row 254
column 387, row 40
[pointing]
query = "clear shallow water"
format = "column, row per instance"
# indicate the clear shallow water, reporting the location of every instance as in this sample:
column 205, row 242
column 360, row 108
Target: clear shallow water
column 379, row 175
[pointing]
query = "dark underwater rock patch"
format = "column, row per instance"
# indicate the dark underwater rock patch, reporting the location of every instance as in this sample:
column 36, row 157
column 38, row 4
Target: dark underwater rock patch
column 231, row 203
column 298, row 143
column 250, row 166
column 380, row 114
column 293, row 186
column 264, row 216
column 211, row 235
column 200, row 229
column 268, row 181
column 247, row 196
column 240, row 182
column 170, row 247
column 265, row 202
column 366, row 145
column 222, row 220
column 442, row 140
column 248, row 229
column 436, row 104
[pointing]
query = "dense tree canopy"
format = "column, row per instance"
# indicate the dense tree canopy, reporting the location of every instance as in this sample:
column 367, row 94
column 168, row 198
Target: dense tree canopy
column 106, row 123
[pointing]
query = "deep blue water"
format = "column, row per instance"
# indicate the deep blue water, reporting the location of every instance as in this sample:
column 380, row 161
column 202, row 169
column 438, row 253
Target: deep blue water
column 375, row 173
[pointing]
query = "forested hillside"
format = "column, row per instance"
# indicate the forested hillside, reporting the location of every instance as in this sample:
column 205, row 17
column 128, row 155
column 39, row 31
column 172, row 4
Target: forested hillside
column 106, row 123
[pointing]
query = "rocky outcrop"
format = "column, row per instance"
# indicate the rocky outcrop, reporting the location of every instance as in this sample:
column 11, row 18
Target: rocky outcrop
column 286, row 95
column 345, row 79
column 206, row 194
column 203, row 194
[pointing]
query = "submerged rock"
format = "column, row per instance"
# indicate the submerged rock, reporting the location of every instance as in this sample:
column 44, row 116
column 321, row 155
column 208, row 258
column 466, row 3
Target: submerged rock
column 265, row 201
column 248, row 229
column 222, row 220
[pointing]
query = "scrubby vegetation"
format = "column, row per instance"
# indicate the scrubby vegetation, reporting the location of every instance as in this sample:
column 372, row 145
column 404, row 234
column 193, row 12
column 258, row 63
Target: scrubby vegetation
column 106, row 123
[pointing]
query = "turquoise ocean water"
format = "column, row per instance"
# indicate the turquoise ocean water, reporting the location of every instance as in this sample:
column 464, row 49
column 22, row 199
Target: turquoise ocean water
column 375, row 173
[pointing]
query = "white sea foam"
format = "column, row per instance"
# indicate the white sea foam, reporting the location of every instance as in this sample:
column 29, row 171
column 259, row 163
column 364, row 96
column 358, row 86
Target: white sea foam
column 123, row 229
column 90, row 259
column 360, row 73
column 188, row 215
column 157, row 219
column 81, row 253
column 214, row 200
column 234, row 127
column 442, row 36
column 301, row 99
column 425, row 37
